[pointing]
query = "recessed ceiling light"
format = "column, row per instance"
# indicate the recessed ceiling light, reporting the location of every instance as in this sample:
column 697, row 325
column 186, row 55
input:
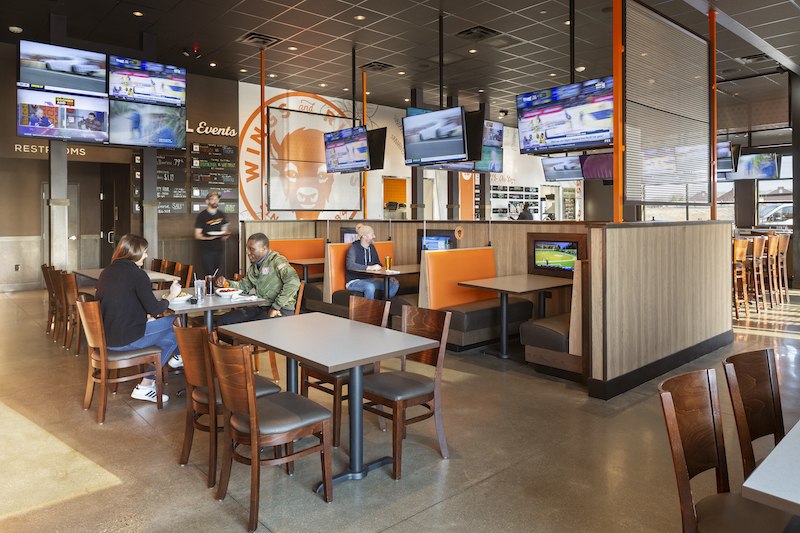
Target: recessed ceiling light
column 346, row 89
column 408, row 99
column 552, row 74
column 15, row 29
column 401, row 72
column 480, row 90
column 651, row 80
column 212, row 64
column 359, row 17
column 367, row 92
column 543, row 11
column 472, row 51
column 566, row 22
column 323, row 84
column 273, row 75
column 242, row 70
column 292, row 48
column 644, row 54
column 580, row 69
column 138, row 14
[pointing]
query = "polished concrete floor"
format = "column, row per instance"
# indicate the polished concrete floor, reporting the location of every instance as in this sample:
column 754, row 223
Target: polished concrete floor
column 527, row 452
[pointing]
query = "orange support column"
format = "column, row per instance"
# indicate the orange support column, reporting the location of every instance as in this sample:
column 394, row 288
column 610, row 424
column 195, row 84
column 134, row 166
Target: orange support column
column 619, row 139
column 364, row 122
column 712, row 35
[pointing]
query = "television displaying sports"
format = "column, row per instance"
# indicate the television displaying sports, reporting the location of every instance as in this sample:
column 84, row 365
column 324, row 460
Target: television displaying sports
column 57, row 68
column 562, row 168
column 146, row 82
column 492, row 152
column 555, row 255
column 61, row 116
column 753, row 167
column 435, row 137
column 346, row 150
column 724, row 157
column 138, row 124
column 571, row 117
column 435, row 239
column 598, row 166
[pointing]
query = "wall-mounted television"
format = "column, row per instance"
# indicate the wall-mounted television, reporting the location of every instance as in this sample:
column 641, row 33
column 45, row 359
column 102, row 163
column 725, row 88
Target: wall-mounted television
column 787, row 171
column 376, row 146
column 61, row 69
column 348, row 235
column 435, row 137
column 61, row 116
column 724, row 157
column 565, row 118
column 435, row 239
column 138, row 124
column 347, row 150
column 562, row 168
column 492, row 150
column 753, row 167
column 146, row 82
column 554, row 254
column 598, row 166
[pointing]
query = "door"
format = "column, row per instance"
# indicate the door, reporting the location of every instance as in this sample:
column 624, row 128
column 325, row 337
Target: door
column 73, row 225
column 109, row 213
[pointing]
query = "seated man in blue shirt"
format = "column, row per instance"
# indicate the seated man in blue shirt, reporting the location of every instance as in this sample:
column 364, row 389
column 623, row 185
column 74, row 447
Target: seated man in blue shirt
column 362, row 256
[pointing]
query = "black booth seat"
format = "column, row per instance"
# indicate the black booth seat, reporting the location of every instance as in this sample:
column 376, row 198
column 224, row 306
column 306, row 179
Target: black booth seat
column 551, row 333
column 486, row 313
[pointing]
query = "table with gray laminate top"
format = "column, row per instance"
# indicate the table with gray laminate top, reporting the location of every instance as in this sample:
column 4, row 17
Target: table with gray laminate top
column 776, row 481
column 396, row 270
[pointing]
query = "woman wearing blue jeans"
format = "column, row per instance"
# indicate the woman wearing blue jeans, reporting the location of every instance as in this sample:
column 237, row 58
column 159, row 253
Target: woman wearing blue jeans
column 126, row 300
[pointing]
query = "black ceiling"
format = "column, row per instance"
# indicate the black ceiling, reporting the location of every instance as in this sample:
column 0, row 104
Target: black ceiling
column 530, row 51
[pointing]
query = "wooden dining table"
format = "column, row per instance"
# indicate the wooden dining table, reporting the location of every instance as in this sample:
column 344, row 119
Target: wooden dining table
column 396, row 270
column 155, row 277
column 305, row 263
column 776, row 481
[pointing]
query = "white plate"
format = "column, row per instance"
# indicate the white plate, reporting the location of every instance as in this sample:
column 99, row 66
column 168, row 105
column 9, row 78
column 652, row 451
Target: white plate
column 228, row 293
column 215, row 233
column 181, row 299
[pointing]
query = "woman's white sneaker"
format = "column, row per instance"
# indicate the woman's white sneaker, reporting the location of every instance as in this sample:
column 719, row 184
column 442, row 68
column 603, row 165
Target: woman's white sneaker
column 147, row 394
column 176, row 361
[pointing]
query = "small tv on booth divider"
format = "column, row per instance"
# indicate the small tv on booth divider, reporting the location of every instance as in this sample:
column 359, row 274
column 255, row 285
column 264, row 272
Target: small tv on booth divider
column 554, row 254
column 347, row 150
column 348, row 235
column 138, row 124
column 146, row 82
column 562, row 168
column 435, row 239
column 571, row 117
column 62, row 116
column 435, row 137
column 598, row 166
column 58, row 68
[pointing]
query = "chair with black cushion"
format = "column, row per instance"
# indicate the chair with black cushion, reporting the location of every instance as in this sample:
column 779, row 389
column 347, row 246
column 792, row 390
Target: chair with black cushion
column 401, row 390
column 375, row 312
column 694, row 427
column 202, row 396
column 753, row 384
column 103, row 362
column 52, row 305
column 274, row 420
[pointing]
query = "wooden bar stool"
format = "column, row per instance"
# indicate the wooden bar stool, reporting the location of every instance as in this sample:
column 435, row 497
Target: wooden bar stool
column 755, row 268
column 772, row 270
column 740, row 275
column 783, row 270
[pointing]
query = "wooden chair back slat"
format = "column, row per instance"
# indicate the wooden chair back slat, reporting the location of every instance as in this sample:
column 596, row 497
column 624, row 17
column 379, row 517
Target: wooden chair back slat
column 759, row 243
column 157, row 265
column 46, row 269
column 185, row 273
column 92, row 320
column 428, row 323
column 193, row 345
column 739, row 250
column 369, row 311
column 70, row 286
column 783, row 244
column 299, row 302
column 231, row 364
column 772, row 246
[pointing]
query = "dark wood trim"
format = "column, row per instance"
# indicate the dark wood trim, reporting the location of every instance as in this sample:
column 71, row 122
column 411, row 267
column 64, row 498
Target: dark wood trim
column 605, row 390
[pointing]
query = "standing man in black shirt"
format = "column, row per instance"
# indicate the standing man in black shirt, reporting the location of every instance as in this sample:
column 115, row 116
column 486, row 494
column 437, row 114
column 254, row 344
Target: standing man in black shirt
column 211, row 227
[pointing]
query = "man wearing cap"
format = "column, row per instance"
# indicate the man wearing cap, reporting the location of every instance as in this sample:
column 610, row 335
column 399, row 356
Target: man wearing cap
column 362, row 256
column 211, row 227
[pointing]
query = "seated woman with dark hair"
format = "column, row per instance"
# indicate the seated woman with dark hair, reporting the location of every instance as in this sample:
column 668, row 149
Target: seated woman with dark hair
column 126, row 300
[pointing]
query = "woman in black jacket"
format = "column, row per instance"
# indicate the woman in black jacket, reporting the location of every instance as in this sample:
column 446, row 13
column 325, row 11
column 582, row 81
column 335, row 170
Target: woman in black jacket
column 126, row 300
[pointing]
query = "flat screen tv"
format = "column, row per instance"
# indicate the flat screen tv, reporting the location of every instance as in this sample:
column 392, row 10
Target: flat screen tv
column 724, row 157
column 376, row 146
column 57, row 68
column 62, row 116
column 346, row 150
column 571, row 117
column 555, row 255
column 435, row 239
column 598, row 166
column 348, row 235
column 787, row 171
column 435, row 137
column 492, row 150
column 562, row 168
column 754, row 166
column 138, row 124
column 146, row 82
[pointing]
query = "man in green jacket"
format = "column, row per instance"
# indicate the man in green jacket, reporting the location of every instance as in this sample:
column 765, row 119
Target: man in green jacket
column 274, row 279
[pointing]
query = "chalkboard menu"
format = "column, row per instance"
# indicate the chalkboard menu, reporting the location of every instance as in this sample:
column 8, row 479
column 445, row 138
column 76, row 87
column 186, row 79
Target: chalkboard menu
column 214, row 168
column 224, row 194
column 214, row 149
column 226, row 207
column 166, row 207
column 213, row 162
column 174, row 191
column 171, row 161
column 175, row 176
column 214, row 178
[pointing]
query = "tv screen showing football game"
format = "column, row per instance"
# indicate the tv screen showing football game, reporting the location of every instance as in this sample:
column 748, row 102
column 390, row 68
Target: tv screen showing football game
column 61, row 116
column 61, row 69
column 435, row 137
column 138, row 124
column 346, row 150
column 146, row 81
column 555, row 255
column 567, row 118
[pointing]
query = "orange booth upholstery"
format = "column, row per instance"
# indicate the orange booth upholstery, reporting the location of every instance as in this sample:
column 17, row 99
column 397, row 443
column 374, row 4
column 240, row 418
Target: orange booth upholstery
column 334, row 290
column 476, row 312
column 301, row 249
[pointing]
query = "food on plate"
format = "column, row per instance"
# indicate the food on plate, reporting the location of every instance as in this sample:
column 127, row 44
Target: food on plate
column 228, row 290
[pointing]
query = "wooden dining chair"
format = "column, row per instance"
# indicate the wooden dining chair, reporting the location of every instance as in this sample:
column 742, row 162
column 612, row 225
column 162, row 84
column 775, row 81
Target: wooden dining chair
column 72, row 319
column 694, row 426
column 775, row 295
column 201, row 395
column 59, row 323
column 375, row 312
column 275, row 420
column 104, row 362
column 157, row 265
column 52, row 303
column 755, row 395
column 755, row 270
column 401, row 390
column 168, row 267
column 185, row 273
column 273, row 362
column 740, row 276
column 783, row 268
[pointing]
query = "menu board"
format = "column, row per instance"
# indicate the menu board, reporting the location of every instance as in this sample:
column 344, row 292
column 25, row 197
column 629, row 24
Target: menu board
column 214, row 178
column 225, row 207
column 170, row 160
column 214, row 168
column 166, row 207
column 176, row 176
column 213, row 149
column 214, row 163
column 224, row 194
column 174, row 191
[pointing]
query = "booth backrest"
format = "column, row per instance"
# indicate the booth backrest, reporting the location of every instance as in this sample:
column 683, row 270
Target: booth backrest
column 334, row 274
column 576, row 311
column 442, row 270
column 300, row 249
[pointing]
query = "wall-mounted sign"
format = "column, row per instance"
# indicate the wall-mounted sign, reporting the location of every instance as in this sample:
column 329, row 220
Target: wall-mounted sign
column 168, row 207
column 174, row 191
column 178, row 176
column 213, row 163
column 204, row 129
column 214, row 149
column 225, row 207
column 163, row 160
column 213, row 178
column 224, row 194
